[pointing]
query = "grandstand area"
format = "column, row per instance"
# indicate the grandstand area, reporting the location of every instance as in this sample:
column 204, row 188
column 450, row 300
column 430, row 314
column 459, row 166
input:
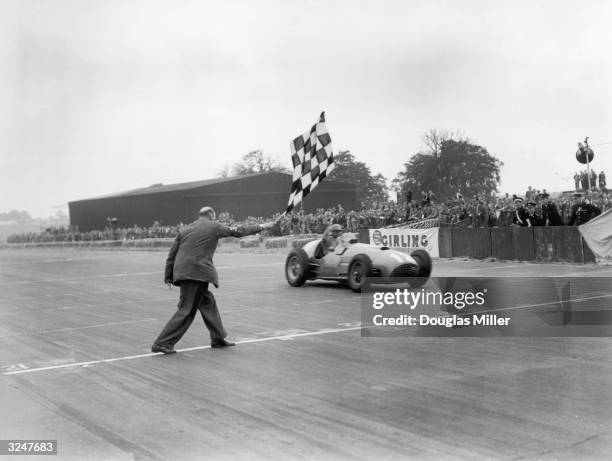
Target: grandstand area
column 302, row 383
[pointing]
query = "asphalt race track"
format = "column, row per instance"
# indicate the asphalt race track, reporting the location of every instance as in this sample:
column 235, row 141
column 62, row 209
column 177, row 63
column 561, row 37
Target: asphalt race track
column 77, row 326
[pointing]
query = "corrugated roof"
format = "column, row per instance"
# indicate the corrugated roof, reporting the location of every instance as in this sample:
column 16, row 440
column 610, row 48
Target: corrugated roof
column 157, row 188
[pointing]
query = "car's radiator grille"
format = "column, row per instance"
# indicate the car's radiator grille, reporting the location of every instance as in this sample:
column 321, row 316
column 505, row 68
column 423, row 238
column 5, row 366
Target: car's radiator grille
column 405, row 270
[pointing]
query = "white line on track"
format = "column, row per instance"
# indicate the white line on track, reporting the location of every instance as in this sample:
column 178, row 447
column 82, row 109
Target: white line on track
column 551, row 303
column 257, row 340
column 197, row 348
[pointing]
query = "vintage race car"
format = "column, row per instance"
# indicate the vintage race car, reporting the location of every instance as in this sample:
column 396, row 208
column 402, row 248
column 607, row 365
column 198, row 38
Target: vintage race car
column 353, row 263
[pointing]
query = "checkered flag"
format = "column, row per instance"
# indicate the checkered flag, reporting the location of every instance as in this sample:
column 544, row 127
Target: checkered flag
column 313, row 160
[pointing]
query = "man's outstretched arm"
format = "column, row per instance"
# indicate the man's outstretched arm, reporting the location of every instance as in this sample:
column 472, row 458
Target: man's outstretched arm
column 242, row 231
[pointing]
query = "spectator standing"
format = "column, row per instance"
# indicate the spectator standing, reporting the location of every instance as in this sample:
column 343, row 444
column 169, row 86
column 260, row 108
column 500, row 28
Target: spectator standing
column 593, row 180
column 584, row 180
column 520, row 214
column 533, row 219
column 480, row 214
column 583, row 211
column 550, row 212
column 576, row 181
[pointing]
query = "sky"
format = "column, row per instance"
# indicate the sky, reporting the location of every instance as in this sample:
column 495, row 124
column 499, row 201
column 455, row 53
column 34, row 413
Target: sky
column 101, row 96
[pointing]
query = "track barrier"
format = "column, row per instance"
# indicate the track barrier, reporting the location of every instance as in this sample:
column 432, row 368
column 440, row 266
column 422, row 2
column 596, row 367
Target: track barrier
column 546, row 244
column 502, row 243
column 481, row 239
column 524, row 245
column 445, row 242
column 463, row 244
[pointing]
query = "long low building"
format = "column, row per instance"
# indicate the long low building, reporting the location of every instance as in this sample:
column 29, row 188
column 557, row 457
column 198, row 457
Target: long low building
column 260, row 194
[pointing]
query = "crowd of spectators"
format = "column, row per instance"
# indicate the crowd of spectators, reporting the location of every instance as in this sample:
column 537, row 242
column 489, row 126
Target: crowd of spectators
column 533, row 208
column 597, row 181
column 72, row 234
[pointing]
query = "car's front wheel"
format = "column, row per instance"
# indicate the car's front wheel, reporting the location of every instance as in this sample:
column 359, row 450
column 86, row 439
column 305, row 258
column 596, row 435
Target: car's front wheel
column 359, row 271
column 296, row 267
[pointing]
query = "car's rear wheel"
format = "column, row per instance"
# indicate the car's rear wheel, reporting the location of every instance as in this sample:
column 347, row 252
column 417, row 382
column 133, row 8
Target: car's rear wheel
column 296, row 267
column 424, row 264
column 359, row 271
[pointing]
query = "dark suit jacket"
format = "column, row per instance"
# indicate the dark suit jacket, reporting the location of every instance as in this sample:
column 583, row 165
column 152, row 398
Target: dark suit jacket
column 191, row 254
column 520, row 217
column 550, row 214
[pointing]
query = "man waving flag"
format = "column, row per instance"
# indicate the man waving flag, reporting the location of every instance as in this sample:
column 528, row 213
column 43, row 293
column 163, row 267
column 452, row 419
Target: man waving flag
column 313, row 160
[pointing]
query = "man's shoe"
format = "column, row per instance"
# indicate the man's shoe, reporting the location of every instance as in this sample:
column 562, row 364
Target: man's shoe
column 164, row 349
column 221, row 343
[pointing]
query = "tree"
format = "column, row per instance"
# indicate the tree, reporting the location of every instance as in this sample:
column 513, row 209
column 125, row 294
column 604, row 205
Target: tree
column 60, row 217
column 15, row 215
column 451, row 165
column 370, row 188
column 253, row 162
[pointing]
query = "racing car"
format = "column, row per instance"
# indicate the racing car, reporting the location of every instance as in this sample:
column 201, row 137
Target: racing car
column 353, row 263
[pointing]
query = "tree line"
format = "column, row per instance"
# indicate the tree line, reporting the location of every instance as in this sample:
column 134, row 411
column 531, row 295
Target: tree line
column 450, row 164
column 16, row 215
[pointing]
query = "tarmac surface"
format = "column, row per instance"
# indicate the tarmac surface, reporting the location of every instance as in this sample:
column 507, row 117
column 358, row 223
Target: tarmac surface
column 303, row 383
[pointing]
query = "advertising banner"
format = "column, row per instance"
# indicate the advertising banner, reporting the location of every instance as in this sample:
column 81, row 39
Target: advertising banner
column 407, row 239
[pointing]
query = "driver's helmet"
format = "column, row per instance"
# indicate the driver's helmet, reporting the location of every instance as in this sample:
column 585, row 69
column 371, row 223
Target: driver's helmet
column 334, row 230
column 331, row 235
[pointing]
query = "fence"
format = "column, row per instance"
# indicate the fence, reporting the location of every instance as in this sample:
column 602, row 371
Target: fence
column 546, row 244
